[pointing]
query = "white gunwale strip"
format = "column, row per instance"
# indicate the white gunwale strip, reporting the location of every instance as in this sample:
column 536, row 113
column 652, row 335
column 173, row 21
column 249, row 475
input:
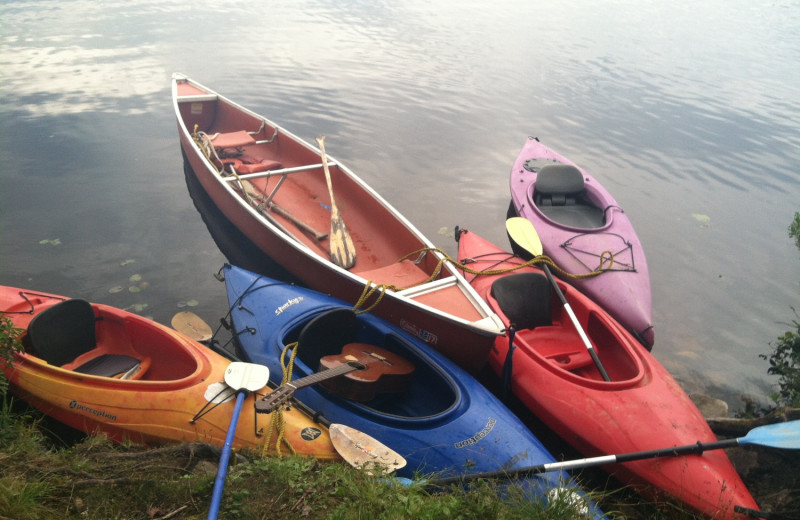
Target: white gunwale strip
column 282, row 171
column 194, row 98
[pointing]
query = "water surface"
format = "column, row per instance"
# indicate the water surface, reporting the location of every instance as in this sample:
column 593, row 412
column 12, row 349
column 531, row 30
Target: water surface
column 688, row 112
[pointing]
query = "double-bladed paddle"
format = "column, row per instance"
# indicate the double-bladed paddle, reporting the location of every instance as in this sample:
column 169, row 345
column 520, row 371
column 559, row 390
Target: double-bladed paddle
column 242, row 377
column 522, row 232
column 784, row 435
column 343, row 251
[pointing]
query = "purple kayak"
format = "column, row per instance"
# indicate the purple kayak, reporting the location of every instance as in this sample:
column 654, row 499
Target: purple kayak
column 582, row 228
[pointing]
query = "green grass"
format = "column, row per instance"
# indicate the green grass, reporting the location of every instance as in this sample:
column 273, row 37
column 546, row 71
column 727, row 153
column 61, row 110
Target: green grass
column 48, row 477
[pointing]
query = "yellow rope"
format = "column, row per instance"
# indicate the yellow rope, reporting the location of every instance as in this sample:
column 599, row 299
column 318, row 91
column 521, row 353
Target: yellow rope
column 606, row 257
column 367, row 292
column 277, row 422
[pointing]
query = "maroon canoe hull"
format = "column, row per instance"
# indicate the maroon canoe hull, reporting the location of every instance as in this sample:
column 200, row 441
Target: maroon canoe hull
column 425, row 296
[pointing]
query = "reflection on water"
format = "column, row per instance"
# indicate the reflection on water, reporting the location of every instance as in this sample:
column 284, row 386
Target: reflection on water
column 237, row 248
column 677, row 108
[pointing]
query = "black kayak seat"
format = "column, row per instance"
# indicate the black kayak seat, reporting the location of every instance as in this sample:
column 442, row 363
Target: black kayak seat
column 560, row 193
column 62, row 333
column 525, row 299
column 326, row 334
column 558, row 185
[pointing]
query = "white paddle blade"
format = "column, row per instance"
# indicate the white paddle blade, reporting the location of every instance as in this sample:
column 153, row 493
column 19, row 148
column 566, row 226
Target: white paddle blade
column 363, row 452
column 246, row 376
column 779, row 435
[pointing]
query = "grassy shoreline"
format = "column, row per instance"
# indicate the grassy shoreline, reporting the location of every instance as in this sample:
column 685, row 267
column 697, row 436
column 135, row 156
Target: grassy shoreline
column 48, row 476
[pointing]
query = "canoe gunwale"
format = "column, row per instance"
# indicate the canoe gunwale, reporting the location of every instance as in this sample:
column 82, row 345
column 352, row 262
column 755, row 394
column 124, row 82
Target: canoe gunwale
column 321, row 273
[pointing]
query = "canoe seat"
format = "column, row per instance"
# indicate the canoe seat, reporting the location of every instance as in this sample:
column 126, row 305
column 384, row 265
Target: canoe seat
column 248, row 164
column 525, row 299
column 560, row 194
column 64, row 335
column 326, row 335
column 231, row 139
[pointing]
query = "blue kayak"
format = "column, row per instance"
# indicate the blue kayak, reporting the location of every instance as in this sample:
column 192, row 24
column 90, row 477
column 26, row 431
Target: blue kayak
column 421, row 405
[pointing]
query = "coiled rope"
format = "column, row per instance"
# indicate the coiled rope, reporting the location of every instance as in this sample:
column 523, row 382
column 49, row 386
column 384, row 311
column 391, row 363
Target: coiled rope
column 606, row 262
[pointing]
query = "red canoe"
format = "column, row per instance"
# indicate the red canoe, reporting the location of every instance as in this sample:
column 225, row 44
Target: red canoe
column 641, row 408
column 271, row 185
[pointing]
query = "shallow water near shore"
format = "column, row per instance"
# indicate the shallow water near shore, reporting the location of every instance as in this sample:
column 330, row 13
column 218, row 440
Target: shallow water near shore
column 688, row 113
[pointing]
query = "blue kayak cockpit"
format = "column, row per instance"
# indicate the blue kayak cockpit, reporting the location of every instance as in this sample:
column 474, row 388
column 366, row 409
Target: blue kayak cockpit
column 430, row 394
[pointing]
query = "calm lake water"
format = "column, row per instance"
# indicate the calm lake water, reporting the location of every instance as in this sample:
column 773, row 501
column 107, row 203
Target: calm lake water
column 688, row 112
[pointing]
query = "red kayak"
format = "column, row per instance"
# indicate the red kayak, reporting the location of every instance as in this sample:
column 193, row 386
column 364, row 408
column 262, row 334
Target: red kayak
column 640, row 408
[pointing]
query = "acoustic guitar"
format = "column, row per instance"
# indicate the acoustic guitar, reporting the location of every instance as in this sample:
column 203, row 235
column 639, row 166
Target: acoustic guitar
column 366, row 371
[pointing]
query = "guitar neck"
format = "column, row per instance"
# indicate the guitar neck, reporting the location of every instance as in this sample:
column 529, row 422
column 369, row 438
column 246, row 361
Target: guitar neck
column 330, row 373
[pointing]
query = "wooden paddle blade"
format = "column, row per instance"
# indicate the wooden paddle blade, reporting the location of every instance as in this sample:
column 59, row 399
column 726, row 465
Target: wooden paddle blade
column 246, row 376
column 343, row 251
column 522, row 232
column 363, row 452
column 192, row 325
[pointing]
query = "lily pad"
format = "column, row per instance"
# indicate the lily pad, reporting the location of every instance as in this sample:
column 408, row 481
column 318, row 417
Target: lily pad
column 446, row 232
column 126, row 262
column 704, row 220
column 134, row 289
column 135, row 278
column 51, row 241
column 116, row 289
column 137, row 307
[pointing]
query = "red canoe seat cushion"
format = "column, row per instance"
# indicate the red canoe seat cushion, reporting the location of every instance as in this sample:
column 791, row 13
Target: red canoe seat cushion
column 232, row 140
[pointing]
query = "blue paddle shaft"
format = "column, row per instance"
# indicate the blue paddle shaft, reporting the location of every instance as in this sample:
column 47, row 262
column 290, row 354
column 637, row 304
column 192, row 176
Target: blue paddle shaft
column 219, row 483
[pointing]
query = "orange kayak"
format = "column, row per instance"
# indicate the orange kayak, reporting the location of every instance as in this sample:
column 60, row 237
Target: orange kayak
column 104, row 370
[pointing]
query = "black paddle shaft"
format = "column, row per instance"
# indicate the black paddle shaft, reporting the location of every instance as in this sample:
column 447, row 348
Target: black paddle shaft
column 689, row 449
column 574, row 319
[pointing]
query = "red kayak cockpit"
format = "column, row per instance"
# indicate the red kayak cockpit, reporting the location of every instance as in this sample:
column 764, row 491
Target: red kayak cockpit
column 543, row 328
column 97, row 341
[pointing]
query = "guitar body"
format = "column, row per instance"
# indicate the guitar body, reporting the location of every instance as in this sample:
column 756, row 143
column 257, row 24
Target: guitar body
column 383, row 372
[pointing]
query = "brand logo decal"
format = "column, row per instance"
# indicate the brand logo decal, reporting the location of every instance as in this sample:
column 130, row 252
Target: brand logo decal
column 310, row 433
column 424, row 335
column 289, row 303
column 523, row 455
column 75, row 405
column 478, row 436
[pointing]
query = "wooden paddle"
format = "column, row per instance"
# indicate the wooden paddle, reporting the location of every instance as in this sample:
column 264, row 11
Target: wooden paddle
column 363, row 452
column 351, row 444
column 242, row 377
column 343, row 251
column 784, row 435
column 522, row 232
column 192, row 325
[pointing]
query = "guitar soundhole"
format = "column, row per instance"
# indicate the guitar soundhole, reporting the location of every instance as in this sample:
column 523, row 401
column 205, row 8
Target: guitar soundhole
column 357, row 365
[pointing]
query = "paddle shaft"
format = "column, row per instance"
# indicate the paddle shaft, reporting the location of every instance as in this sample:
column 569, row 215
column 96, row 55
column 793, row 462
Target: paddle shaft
column 577, row 325
column 343, row 252
column 219, row 483
column 689, row 449
column 521, row 231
